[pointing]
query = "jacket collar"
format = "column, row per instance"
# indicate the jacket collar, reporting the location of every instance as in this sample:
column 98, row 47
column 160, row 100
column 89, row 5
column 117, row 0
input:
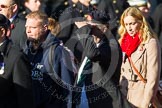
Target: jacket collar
column 50, row 40
column 138, row 53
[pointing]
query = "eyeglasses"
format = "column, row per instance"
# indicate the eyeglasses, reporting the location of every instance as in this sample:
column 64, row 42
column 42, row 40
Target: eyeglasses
column 4, row 6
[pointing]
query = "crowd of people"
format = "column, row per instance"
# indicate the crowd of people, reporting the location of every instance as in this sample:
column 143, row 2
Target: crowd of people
column 80, row 53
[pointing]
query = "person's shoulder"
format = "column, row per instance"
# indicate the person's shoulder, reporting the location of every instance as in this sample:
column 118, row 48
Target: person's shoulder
column 22, row 14
column 19, row 22
column 153, row 42
column 86, row 29
column 158, row 11
column 18, row 18
column 15, row 54
column 16, row 50
column 59, row 47
column 56, row 47
column 159, row 6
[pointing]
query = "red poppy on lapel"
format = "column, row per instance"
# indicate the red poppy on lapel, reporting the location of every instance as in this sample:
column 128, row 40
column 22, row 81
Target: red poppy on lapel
column 12, row 26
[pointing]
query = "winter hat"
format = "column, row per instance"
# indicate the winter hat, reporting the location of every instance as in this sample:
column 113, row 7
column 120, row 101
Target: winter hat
column 137, row 2
column 100, row 16
column 93, row 2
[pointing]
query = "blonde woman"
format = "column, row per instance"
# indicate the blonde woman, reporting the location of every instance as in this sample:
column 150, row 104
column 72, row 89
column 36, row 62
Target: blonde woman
column 141, row 63
column 54, row 26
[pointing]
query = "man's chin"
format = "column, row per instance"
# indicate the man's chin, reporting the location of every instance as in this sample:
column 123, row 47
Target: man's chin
column 33, row 40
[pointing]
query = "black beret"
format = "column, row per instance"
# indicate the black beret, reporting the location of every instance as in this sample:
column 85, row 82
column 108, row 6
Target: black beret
column 100, row 16
column 4, row 22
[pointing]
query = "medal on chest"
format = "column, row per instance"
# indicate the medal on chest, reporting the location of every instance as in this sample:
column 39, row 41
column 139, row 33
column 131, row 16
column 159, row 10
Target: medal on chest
column 1, row 68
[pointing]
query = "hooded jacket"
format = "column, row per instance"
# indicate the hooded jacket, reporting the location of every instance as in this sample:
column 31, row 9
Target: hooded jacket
column 48, row 92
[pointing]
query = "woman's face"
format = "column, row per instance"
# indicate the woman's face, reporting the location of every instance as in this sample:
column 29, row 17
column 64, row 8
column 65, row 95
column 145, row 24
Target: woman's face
column 132, row 25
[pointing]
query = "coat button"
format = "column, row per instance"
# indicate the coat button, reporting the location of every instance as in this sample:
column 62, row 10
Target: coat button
column 74, row 5
column 117, row 21
column 114, row 1
column 65, row 3
column 130, row 70
column 116, row 11
column 80, row 11
column 123, row 69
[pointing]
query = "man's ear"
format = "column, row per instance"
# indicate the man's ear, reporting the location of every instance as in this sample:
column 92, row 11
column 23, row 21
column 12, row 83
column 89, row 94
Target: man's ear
column 3, row 31
column 8, row 32
column 45, row 27
column 14, row 7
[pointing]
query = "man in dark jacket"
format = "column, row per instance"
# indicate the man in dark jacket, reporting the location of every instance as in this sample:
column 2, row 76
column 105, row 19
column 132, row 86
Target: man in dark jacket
column 10, row 10
column 100, row 68
column 74, row 12
column 15, row 79
column 114, row 8
column 47, row 76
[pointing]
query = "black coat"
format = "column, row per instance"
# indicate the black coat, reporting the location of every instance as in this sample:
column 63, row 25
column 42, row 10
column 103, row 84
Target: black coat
column 55, row 7
column 114, row 8
column 22, row 14
column 15, row 82
column 102, row 78
column 18, row 34
column 73, row 13
column 157, row 18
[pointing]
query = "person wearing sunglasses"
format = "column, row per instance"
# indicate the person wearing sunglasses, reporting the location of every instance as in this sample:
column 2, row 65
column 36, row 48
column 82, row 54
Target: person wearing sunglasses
column 10, row 9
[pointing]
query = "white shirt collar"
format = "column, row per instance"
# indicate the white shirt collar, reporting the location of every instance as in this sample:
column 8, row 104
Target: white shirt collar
column 11, row 19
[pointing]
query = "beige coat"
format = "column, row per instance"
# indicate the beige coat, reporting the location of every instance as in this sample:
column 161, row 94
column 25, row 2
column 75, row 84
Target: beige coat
column 147, row 60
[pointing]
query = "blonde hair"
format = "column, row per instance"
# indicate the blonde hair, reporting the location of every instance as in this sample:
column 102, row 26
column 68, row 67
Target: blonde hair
column 53, row 26
column 39, row 16
column 145, row 32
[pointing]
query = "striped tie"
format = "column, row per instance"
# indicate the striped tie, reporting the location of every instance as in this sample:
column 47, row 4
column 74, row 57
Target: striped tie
column 82, row 76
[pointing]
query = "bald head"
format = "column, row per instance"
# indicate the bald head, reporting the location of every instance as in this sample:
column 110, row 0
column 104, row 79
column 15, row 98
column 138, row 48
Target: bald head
column 9, row 7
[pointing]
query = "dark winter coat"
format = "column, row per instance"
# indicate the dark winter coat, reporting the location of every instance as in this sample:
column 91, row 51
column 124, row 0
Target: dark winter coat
column 18, row 33
column 102, row 78
column 15, row 82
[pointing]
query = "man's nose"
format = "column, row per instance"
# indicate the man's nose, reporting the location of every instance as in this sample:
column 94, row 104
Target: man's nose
column 27, row 30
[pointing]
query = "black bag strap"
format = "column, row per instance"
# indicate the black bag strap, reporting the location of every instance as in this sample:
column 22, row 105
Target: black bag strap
column 51, row 72
column 51, row 56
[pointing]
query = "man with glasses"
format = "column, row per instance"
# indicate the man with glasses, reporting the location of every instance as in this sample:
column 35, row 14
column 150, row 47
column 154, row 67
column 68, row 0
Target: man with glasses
column 10, row 9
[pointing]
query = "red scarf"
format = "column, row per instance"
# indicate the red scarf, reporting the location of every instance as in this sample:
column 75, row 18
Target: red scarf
column 130, row 44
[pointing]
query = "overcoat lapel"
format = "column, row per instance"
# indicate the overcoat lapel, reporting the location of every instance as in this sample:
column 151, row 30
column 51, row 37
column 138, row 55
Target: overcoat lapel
column 138, row 53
